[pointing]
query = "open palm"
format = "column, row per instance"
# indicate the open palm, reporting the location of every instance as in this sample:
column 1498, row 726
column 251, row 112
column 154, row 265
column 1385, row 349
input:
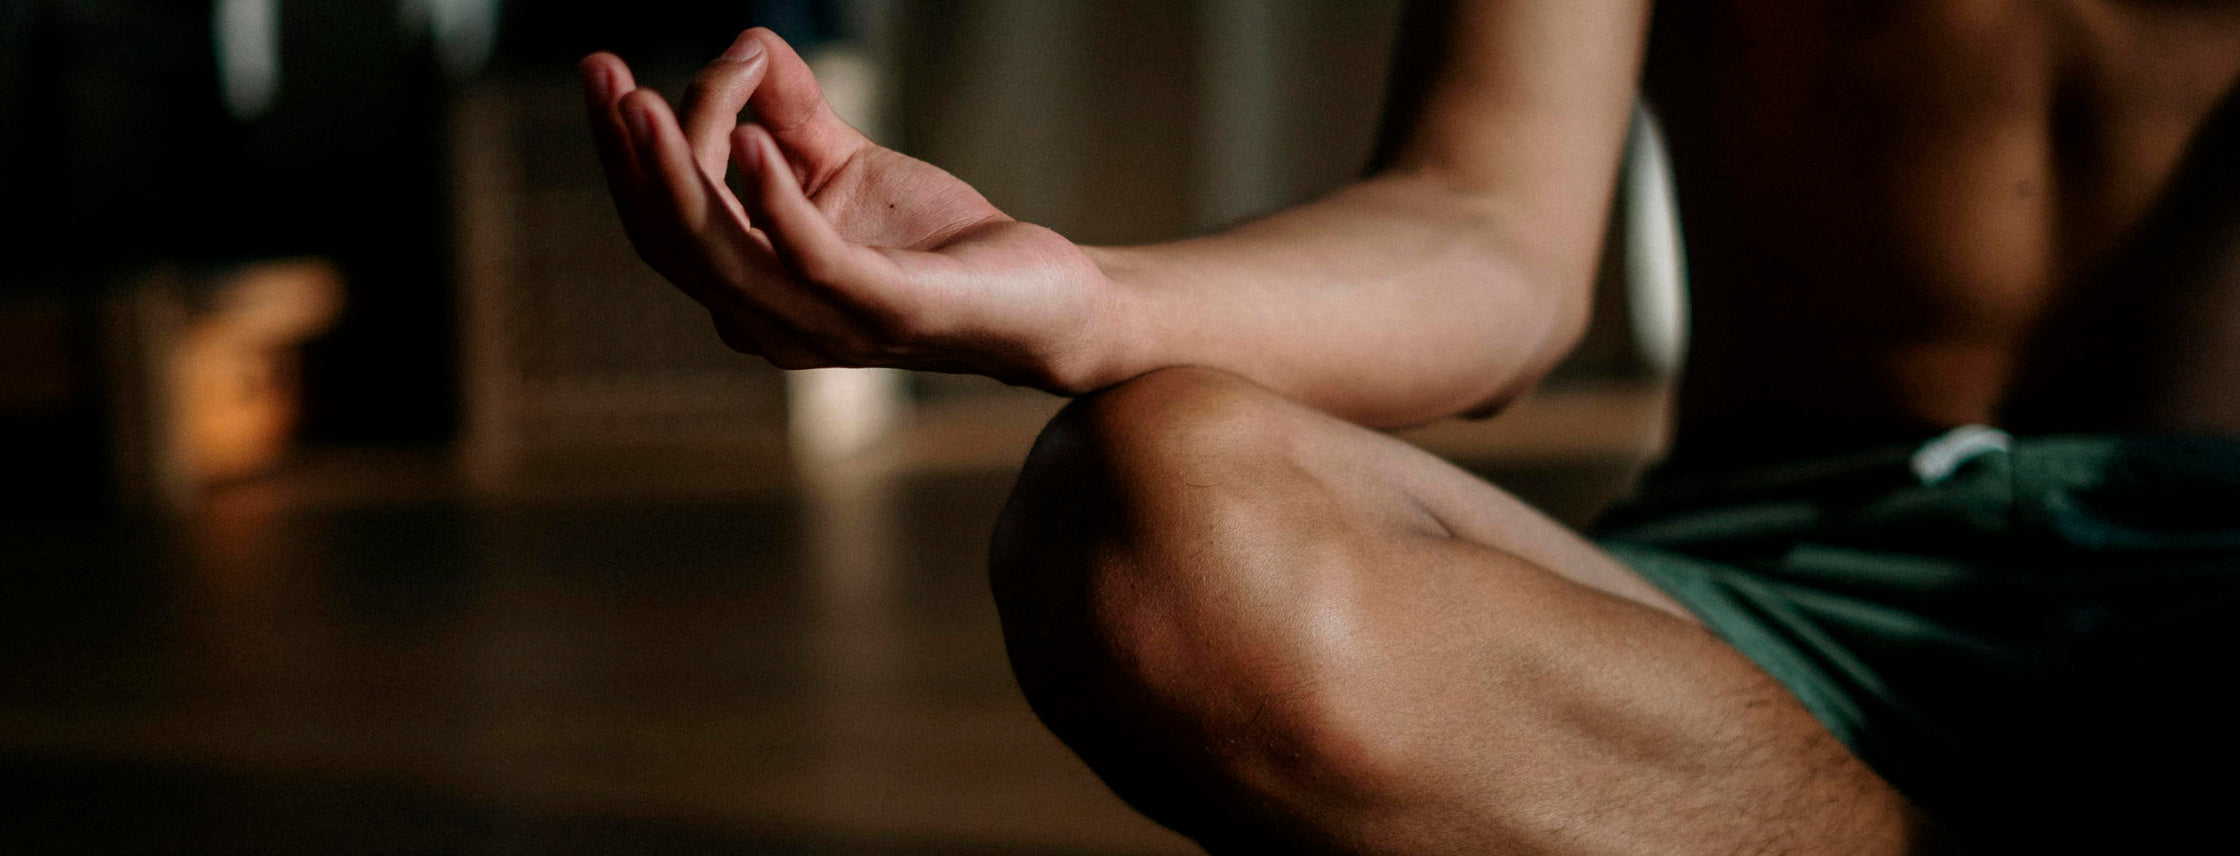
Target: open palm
column 835, row 251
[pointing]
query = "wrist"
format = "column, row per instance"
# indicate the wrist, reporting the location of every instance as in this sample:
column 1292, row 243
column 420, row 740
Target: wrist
column 1118, row 342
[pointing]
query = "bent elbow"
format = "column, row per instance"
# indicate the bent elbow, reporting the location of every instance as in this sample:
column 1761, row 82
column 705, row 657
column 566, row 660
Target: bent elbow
column 1565, row 307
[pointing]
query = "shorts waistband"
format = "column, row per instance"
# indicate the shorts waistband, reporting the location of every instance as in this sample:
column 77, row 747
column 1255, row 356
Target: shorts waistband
column 2189, row 481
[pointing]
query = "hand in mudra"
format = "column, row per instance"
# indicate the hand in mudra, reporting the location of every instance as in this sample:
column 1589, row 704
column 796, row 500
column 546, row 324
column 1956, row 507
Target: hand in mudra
column 836, row 251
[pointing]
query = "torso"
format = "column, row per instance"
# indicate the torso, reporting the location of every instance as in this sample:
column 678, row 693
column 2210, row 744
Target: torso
column 1904, row 215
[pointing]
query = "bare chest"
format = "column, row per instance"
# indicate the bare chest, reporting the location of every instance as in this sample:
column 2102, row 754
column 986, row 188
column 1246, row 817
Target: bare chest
column 1993, row 144
column 1941, row 175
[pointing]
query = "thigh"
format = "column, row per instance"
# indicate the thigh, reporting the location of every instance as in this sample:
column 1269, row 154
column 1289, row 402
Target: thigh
column 1543, row 686
column 1279, row 631
column 1419, row 493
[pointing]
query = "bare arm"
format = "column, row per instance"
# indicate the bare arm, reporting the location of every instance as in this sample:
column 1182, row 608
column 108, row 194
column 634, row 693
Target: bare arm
column 1448, row 281
column 1460, row 271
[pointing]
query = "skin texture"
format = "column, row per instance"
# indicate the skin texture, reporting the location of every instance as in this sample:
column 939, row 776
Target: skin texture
column 1936, row 213
column 1279, row 631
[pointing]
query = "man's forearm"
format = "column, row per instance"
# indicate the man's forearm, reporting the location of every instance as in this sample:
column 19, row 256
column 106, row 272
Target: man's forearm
column 1395, row 301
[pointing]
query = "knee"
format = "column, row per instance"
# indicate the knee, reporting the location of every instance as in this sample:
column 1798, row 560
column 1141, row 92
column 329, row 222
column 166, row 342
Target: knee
column 1145, row 488
column 1158, row 425
column 1134, row 493
column 1178, row 590
column 1117, row 464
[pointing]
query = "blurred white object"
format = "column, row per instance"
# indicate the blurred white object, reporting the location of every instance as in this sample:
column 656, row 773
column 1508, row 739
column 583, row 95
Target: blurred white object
column 247, row 36
column 1655, row 257
column 1938, row 459
column 464, row 31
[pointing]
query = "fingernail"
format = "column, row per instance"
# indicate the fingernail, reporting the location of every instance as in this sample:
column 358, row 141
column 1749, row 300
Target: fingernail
column 744, row 48
column 640, row 119
column 772, row 159
column 757, row 159
column 602, row 82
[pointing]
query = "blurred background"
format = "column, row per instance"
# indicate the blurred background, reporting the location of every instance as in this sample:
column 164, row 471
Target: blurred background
column 364, row 494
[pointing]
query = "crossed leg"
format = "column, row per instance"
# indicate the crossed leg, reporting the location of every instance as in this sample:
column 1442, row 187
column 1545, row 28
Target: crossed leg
column 1276, row 631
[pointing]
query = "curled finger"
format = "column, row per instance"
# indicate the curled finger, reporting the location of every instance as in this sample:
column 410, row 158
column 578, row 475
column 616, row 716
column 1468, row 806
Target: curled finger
column 715, row 98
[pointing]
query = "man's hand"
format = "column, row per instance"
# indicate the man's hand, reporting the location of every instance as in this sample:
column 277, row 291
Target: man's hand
column 1448, row 281
column 837, row 251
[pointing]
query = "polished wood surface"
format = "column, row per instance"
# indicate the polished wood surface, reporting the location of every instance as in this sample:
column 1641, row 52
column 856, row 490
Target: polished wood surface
column 817, row 670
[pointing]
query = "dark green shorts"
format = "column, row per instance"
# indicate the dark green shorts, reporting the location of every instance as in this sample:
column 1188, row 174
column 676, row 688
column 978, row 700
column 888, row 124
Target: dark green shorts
column 2037, row 640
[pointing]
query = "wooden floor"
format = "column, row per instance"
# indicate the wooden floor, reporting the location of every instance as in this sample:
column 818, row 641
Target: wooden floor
column 399, row 667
